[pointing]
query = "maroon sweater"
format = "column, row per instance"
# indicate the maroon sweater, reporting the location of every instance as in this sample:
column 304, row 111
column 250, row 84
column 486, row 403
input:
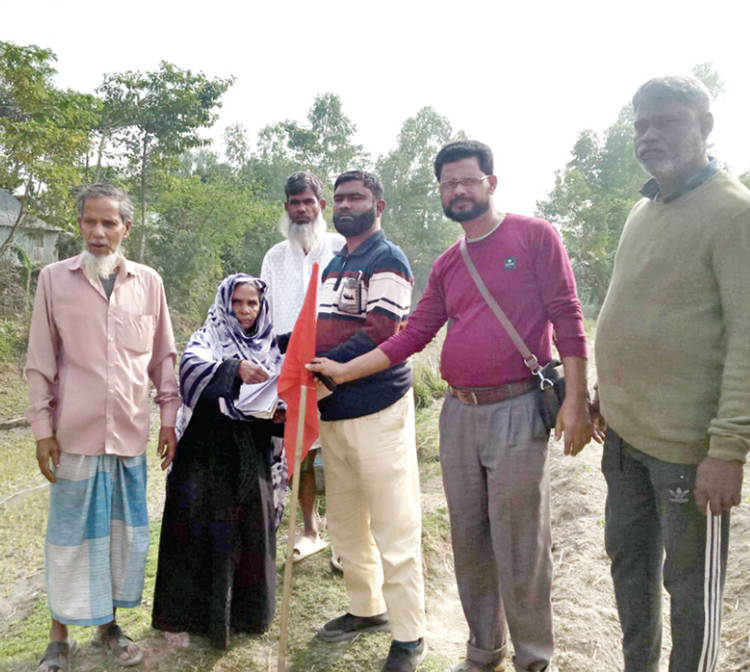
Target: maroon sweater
column 526, row 268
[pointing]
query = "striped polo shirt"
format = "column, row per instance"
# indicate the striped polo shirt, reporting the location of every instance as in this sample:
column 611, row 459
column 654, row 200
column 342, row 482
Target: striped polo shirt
column 364, row 300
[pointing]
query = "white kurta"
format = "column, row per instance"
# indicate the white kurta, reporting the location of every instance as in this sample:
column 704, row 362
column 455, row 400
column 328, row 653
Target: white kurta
column 287, row 269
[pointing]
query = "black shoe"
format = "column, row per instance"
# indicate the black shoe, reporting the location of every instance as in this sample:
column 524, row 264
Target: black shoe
column 348, row 627
column 401, row 659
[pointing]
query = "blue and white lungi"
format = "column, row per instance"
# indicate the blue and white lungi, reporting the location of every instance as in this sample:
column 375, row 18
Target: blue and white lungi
column 97, row 537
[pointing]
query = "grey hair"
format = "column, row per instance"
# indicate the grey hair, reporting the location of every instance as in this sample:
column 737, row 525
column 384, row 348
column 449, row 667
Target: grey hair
column 682, row 88
column 105, row 190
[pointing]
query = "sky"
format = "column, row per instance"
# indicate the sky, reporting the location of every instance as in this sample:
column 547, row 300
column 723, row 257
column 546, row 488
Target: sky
column 526, row 78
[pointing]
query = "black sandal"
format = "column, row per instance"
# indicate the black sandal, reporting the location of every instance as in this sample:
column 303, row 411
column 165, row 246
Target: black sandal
column 122, row 641
column 53, row 655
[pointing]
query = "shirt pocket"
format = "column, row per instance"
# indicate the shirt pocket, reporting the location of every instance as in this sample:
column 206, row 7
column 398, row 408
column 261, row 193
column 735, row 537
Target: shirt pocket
column 352, row 298
column 135, row 332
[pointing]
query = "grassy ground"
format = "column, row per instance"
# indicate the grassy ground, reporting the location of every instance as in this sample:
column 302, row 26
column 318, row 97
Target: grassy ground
column 317, row 595
column 587, row 631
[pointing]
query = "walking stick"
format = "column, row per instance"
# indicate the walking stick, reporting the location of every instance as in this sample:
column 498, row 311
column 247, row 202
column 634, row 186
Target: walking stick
column 292, row 525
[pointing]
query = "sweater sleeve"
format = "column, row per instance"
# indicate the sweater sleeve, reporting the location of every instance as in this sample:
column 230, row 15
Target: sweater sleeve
column 425, row 322
column 557, row 286
column 729, row 431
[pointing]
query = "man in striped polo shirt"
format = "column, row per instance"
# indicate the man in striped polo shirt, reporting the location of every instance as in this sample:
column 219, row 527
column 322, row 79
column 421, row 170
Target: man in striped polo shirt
column 367, row 431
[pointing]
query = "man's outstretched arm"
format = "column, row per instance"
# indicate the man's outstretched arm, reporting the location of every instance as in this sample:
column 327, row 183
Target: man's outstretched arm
column 359, row 367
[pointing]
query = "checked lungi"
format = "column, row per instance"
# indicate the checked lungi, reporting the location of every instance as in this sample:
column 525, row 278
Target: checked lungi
column 97, row 537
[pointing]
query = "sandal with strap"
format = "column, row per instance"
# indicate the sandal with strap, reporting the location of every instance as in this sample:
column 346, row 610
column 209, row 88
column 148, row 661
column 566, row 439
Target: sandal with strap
column 57, row 656
column 304, row 547
column 118, row 647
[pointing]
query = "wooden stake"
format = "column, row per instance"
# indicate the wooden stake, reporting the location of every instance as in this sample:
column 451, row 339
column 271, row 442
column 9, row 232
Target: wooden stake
column 292, row 529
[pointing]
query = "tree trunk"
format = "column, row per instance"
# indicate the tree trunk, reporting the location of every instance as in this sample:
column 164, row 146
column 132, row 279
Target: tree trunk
column 19, row 220
column 143, row 198
column 99, row 155
column 29, row 300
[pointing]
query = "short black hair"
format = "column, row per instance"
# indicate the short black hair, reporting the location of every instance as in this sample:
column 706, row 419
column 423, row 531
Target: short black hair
column 297, row 182
column 685, row 90
column 465, row 149
column 369, row 180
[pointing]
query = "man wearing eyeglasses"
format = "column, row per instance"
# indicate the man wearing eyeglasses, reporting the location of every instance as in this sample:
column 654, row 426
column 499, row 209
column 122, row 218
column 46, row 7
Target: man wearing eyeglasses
column 493, row 442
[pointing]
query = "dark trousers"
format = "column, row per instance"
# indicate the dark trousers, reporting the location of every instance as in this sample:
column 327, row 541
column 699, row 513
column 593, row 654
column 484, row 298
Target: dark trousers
column 655, row 533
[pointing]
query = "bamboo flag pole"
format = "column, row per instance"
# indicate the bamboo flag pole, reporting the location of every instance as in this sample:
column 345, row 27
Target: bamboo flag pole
column 292, row 526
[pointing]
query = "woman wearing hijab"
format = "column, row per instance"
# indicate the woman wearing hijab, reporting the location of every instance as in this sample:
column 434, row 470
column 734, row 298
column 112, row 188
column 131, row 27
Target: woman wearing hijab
column 217, row 555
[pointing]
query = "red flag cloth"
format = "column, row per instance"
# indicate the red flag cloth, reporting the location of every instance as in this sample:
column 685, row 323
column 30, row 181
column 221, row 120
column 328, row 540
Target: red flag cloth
column 294, row 375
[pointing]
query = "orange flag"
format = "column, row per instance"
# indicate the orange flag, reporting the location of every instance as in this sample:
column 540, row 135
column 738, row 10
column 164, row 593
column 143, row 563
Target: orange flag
column 294, row 376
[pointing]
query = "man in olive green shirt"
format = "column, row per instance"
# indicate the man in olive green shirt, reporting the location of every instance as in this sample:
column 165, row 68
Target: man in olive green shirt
column 673, row 357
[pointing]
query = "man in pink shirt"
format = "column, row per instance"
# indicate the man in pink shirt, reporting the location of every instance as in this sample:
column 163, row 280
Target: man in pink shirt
column 493, row 441
column 99, row 331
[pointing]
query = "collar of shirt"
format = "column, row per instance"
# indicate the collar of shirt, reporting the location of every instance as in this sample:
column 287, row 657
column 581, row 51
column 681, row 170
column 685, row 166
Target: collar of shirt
column 364, row 248
column 76, row 264
column 651, row 189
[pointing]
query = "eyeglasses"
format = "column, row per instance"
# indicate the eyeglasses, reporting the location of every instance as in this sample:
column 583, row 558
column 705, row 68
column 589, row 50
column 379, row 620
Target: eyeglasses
column 467, row 182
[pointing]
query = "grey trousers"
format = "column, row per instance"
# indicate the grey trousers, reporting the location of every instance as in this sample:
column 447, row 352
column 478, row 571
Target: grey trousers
column 654, row 532
column 494, row 460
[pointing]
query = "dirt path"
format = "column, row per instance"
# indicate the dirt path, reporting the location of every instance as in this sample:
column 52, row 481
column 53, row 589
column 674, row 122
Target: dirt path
column 586, row 625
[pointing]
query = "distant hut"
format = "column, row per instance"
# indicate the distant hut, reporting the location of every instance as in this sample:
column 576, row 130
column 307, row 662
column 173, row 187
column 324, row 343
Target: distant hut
column 37, row 238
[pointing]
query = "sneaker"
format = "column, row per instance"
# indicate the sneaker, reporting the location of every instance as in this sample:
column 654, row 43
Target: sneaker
column 401, row 659
column 349, row 626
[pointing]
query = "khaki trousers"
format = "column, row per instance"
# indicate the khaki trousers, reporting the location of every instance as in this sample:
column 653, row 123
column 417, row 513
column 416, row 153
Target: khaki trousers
column 374, row 514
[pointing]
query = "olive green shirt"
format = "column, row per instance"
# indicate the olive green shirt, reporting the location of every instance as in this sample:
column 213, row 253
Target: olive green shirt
column 673, row 336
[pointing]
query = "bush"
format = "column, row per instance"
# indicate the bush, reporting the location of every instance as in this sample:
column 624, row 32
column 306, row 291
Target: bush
column 428, row 383
column 12, row 295
column 12, row 340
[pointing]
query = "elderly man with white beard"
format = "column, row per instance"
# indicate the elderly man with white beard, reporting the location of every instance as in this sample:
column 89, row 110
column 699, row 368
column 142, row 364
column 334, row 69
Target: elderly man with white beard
column 286, row 269
column 99, row 331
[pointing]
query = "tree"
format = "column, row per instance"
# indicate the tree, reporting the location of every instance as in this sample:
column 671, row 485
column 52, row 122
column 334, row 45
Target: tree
column 236, row 145
column 155, row 117
column 329, row 142
column 414, row 217
column 591, row 200
column 596, row 190
column 45, row 136
column 325, row 146
column 209, row 222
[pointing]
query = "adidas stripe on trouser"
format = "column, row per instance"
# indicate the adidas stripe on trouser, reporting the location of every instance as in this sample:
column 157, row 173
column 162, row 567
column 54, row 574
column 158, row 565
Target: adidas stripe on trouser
column 654, row 532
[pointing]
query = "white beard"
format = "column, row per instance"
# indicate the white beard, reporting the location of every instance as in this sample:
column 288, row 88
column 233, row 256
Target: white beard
column 306, row 236
column 101, row 267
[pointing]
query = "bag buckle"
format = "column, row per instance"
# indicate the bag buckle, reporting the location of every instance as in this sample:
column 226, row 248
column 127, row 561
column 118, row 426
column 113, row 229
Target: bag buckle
column 532, row 364
column 544, row 382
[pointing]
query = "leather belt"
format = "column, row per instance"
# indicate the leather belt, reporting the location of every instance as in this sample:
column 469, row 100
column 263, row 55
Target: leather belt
column 492, row 395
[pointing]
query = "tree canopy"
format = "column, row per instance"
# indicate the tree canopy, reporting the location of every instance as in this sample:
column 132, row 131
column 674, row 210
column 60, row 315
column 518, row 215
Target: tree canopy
column 596, row 190
column 45, row 136
column 203, row 213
